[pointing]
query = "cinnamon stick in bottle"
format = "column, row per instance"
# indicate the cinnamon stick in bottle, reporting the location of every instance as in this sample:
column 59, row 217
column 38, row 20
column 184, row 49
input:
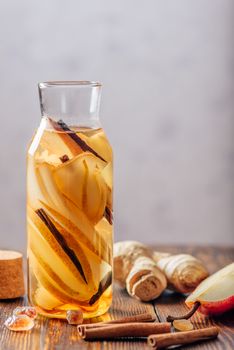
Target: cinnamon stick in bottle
column 115, row 331
column 160, row 341
column 146, row 317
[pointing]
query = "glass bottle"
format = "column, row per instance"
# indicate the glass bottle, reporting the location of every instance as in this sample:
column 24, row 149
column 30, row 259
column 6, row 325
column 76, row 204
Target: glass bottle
column 69, row 203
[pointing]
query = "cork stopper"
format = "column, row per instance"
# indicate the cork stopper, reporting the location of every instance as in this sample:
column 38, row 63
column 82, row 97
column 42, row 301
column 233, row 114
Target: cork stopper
column 11, row 274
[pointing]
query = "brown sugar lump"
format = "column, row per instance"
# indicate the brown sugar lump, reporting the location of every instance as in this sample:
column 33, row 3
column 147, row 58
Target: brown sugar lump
column 11, row 274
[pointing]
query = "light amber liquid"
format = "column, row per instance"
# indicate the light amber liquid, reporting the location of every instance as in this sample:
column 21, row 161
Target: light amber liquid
column 69, row 221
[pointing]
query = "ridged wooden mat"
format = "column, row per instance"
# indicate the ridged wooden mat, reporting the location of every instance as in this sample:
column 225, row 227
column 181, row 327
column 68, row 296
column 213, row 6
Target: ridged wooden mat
column 51, row 334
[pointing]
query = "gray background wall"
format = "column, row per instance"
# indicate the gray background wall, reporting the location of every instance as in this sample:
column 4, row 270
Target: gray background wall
column 167, row 107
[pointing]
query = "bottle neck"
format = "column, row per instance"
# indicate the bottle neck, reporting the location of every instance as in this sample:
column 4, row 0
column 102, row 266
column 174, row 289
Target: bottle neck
column 75, row 103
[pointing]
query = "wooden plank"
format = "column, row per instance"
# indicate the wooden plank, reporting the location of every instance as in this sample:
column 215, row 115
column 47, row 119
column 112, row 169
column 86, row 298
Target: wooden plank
column 172, row 303
column 49, row 334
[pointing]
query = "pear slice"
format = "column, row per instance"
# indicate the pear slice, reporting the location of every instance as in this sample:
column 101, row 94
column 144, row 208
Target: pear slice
column 61, row 240
column 108, row 178
column 57, row 144
column 47, row 185
column 107, row 174
column 55, row 200
column 74, row 245
column 84, row 307
column 98, row 266
column 102, row 247
column 69, row 225
column 105, row 229
column 104, row 284
column 100, row 144
column 51, row 159
column 43, row 242
column 35, row 192
column 52, row 198
column 80, row 180
column 95, row 198
column 80, row 228
column 72, row 139
column 57, row 141
column 45, row 300
column 216, row 293
column 52, row 282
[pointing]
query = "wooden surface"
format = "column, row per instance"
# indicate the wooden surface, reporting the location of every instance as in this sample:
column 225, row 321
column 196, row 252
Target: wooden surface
column 51, row 334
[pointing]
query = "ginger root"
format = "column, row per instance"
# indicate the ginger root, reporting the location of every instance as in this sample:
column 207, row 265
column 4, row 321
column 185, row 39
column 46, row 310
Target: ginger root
column 183, row 271
column 146, row 274
column 135, row 269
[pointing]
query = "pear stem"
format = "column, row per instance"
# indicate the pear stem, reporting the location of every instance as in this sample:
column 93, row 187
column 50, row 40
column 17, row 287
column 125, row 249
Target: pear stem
column 186, row 316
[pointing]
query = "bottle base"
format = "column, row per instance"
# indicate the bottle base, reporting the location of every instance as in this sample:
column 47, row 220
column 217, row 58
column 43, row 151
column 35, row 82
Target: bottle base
column 88, row 312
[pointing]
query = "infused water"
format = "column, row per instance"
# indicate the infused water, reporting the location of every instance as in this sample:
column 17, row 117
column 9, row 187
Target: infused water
column 69, row 219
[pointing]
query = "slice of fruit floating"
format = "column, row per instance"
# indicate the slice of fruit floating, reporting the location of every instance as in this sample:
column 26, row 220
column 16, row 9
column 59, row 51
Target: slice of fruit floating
column 45, row 156
column 55, row 202
column 64, row 244
column 34, row 191
column 40, row 186
column 104, row 284
column 42, row 241
column 47, row 185
column 45, row 300
column 101, row 247
column 104, row 228
column 107, row 175
column 80, row 180
column 74, row 245
column 98, row 266
column 72, row 139
column 108, row 178
column 100, row 144
column 94, row 200
column 72, row 224
column 52, row 282
column 87, row 310
column 58, row 141
column 76, row 223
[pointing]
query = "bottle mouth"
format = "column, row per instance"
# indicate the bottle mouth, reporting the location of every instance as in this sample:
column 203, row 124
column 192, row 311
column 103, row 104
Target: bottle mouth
column 69, row 83
column 75, row 102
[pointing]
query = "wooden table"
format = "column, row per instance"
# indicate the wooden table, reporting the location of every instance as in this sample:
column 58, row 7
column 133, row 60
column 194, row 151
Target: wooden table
column 51, row 334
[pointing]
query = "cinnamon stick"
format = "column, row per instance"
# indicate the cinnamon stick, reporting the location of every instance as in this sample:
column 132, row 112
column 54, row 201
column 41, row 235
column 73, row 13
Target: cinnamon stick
column 103, row 285
column 60, row 125
column 180, row 338
column 108, row 215
column 61, row 241
column 115, row 331
column 135, row 318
